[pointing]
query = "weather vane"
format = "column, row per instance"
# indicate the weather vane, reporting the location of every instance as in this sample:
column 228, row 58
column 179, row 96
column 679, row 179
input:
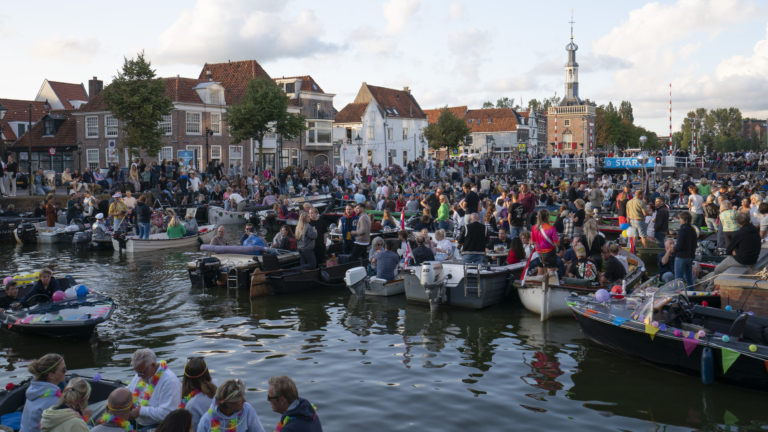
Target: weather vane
column 572, row 22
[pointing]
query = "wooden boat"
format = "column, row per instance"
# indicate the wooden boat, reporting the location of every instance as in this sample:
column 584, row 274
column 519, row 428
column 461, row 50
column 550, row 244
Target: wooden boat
column 132, row 243
column 625, row 326
column 337, row 273
column 333, row 215
column 74, row 318
column 293, row 281
column 610, row 225
column 546, row 297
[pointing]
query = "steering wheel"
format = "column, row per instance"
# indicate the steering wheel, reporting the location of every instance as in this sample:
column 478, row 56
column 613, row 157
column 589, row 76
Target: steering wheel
column 38, row 295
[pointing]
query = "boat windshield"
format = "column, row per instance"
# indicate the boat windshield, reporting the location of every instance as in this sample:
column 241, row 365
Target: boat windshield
column 657, row 300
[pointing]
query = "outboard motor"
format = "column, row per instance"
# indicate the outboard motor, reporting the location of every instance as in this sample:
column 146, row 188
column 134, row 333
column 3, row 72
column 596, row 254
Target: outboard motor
column 82, row 241
column 77, row 225
column 26, row 233
column 432, row 280
column 209, row 270
column 356, row 279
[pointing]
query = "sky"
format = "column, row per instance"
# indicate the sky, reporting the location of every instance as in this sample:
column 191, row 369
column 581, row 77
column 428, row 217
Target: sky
column 713, row 52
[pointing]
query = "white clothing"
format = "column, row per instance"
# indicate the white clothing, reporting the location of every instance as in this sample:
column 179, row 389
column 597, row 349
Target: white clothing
column 198, row 406
column 445, row 245
column 590, row 173
column 166, row 398
column 194, row 184
column 697, row 203
column 249, row 421
column 237, row 198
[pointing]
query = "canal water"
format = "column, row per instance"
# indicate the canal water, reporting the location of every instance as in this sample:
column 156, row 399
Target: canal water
column 379, row 364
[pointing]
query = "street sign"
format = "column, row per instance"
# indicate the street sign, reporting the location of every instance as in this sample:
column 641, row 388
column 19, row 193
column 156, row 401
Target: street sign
column 345, row 149
column 521, row 148
column 455, row 152
column 359, row 159
column 52, row 151
column 112, row 155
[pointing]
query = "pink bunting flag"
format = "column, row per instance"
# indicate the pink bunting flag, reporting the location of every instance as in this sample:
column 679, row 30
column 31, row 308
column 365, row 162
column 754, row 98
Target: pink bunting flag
column 27, row 319
column 690, row 345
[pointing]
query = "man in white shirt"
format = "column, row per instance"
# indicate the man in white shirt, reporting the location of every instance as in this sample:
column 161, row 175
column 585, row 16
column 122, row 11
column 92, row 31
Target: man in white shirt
column 485, row 185
column 590, row 174
column 237, row 202
column 167, row 390
column 696, row 206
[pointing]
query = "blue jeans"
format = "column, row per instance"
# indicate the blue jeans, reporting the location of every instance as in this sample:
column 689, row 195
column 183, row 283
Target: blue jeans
column 42, row 190
column 284, row 189
column 698, row 219
column 684, row 270
column 443, row 224
column 639, row 226
column 660, row 238
column 667, row 277
column 572, row 207
column 472, row 258
column 144, row 228
column 515, row 231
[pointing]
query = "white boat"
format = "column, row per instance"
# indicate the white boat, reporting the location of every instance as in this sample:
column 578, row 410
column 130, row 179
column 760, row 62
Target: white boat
column 161, row 241
column 358, row 282
column 46, row 234
column 548, row 298
column 219, row 216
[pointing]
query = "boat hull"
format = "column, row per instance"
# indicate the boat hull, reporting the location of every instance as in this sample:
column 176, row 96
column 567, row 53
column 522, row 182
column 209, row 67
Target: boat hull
column 157, row 242
column 336, row 273
column 465, row 290
column 380, row 288
column 548, row 304
column 219, row 216
column 294, row 282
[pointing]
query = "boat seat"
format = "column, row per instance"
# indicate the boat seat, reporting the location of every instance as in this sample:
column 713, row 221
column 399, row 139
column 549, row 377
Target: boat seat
column 576, row 281
column 378, row 280
column 270, row 262
column 738, row 326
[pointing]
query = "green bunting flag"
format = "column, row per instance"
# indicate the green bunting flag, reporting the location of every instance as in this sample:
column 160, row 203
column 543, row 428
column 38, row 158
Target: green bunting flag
column 730, row 419
column 729, row 356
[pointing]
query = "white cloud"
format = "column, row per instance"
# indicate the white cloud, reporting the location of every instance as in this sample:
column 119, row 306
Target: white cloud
column 398, row 13
column 469, row 48
column 457, row 11
column 69, row 49
column 220, row 30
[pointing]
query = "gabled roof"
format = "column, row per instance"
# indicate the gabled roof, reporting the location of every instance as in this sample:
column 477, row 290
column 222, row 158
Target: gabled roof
column 233, row 76
column 434, row 114
column 18, row 111
column 68, row 92
column 397, row 103
column 501, row 120
column 352, row 113
column 65, row 136
column 308, row 84
column 177, row 89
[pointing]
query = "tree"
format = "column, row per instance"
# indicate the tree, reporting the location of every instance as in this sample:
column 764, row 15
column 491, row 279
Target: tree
column 448, row 132
column 625, row 111
column 262, row 110
column 553, row 101
column 534, row 104
column 488, row 104
column 136, row 98
column 505, row 102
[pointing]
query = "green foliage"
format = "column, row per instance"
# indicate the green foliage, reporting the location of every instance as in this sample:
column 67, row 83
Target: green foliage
column 488, row 104
column 723, row 122
column 625, row 111
column 262, row 110
column 136, row 98
column 448, row 132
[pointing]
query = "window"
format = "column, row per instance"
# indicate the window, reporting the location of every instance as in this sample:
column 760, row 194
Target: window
column 270, row 135
column 91, row 127
column 295, row 157
column 92, row 158
column 405, row 157
column 370, row 132
column 389, row 134
column 21, row 129
column 166, row 125
column 405, row 133
column 490, row 120
column 372, row 115
column 269, row 159
column 110, row 126
column 216, row 124
column 166, row 153
column 567, row 123
column 215, row 97
column 323, row 132
column 193, row 123
column 370, row 157
column 48, row 126
column 216, row 152
column 285, row 158
column 392, row 156
column 395, row 110
column 311, row 136
column 236, row 155
column 471, row 120
column 111, row 156
column 290, row 87
column 310, row 125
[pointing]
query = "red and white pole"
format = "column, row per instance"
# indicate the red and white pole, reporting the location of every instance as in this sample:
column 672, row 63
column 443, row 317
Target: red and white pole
column 557, row 143
column 670, row 118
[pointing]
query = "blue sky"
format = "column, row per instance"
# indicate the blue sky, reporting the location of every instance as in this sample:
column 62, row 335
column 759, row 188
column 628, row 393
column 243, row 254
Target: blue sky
column 714, row 52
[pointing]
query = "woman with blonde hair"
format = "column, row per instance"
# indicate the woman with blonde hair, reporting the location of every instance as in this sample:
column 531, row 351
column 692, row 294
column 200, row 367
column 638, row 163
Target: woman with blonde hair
column 594, row 243
column 305, row 238
column 72, row 413
column 388, row 220
column 231, row 411
column 133, row 178
column 704, row 188
column 44, row 391
column 197, row 389
column 444, row 248
column 175, row 227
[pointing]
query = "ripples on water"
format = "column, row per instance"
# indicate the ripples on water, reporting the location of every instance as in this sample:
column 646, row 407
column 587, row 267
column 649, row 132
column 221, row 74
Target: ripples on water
column 380, row 364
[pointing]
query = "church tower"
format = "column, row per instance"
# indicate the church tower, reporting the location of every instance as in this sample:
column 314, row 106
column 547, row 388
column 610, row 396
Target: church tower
column 571, row 74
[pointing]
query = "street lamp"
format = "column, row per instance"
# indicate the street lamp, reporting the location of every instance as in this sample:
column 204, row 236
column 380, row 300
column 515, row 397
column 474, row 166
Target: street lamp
column 423, row 148
column 79, row 156
column 208, row 132
column 711, row 134
column 359, row 144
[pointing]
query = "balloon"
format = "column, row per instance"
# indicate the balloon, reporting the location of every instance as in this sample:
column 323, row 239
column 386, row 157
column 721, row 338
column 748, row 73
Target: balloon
column 705, row 303
column 28, row 276
column 729, row 308
column 624, row 226
column 602, row 296
column 70, row 293
column 726, row 338
column 81, row 290
column 17, row 277
column 624, row 233
column 702, row 333
column 678, row 333
column 751, row 313
column 10, row 386
column 617, row 290
column 59, row 296
column 97, row 378
column 752, row 348
column 7, row 280
column 655, row 324
column 631, row 232
column 662, row 327
column 36, row 274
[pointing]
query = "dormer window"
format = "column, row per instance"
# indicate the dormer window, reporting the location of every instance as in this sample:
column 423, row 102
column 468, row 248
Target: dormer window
column 216, row 97
column 395, row 110
column 490, row 120
column 290, row 87
column 48, row 127
column 471, row 120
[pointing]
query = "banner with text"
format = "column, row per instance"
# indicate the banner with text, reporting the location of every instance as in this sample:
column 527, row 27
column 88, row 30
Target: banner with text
column 627, row 163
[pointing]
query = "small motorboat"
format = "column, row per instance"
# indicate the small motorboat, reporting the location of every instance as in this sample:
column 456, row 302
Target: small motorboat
column 75, row 317
column 132, row 243
column 13, row 396
column 43, row 234
column 361, row 285
column 8, row 226
column 84, row 241
column 232, row 266
column 337, row 274
column 546, row 296
column 665, row 329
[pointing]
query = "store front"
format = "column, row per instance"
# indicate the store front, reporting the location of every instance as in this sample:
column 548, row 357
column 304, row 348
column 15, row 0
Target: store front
column 55, row 158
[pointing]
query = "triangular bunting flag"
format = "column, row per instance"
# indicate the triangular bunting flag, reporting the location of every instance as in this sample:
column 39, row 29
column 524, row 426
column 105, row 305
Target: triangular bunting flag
column 730, row 419
column 729, row 356
column 27, row 319
column 651, row 330
column 618, row 321
column 690, row 345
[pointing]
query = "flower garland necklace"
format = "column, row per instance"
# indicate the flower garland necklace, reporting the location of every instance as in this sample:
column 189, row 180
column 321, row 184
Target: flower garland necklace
column 280, row 424
column 123, row 423
column 231, row 425
column 187, row 398
column 49, row 393
column 144, row 390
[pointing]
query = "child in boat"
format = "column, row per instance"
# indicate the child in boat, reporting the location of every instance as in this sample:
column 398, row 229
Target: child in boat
column 11, row 291
column 43, row 289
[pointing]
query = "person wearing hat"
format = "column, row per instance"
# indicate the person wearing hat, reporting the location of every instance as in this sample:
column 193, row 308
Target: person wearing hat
column 190, row 224
column 100, row 231
column 583, row 267
column 117, row 210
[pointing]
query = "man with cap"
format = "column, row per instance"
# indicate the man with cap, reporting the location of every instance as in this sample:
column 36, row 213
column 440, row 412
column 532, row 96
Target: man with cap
column 100, row 231
column 583, row 267
column 117, row 210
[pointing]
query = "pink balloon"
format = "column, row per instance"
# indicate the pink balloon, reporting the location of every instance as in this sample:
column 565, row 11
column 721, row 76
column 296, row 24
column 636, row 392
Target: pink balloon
column 7, row 280
column 59, row 296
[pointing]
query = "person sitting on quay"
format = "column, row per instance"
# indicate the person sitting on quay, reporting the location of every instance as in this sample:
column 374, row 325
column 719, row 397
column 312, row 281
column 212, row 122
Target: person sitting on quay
column 297, row 414
column 155, row 388
column 230, row 410
column 118, row 412
column 40, row 183
column 43, row 289
column 72, row 413
column 44, row 391
column 198, row 390
column 743, row 249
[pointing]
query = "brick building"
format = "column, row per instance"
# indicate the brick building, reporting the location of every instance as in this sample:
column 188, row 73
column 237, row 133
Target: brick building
column 753, row 126
column 54, row 143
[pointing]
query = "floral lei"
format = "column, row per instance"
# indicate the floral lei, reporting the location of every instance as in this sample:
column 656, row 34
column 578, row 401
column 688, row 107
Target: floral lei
column 216, row 423
column 280, row 424
column 123, row 423
column 185, row 400
column 48, row 393
column 144, row 390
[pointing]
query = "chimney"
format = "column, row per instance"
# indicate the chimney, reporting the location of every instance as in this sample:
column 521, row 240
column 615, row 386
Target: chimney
column 95, row 86
column 209, row 75
column 406, row 89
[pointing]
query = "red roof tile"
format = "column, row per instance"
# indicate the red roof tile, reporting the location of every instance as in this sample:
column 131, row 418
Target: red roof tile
column 177, row 89
column 308, row 84
column 434, row 114
column 233, row 76
column 352, row 113
column 401, row 100
column 68, row 91
column 18, row 110
column 501, row 120
column 65, row 136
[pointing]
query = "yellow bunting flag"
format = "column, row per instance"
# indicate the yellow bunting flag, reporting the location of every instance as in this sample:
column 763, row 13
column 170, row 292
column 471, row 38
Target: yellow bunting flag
column 651, row 330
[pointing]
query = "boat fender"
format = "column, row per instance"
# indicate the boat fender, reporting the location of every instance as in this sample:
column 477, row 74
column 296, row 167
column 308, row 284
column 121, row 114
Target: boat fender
column 324, row 277
column 707, row 367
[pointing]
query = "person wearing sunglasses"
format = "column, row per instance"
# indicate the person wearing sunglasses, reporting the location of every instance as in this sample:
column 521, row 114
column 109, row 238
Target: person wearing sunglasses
column 231, row 411
column 156, row 389
column 197, row 389
column 297, row 413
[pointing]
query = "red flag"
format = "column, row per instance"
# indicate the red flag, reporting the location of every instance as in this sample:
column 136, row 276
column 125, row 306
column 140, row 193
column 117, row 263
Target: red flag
column 632, row 245
column 402, row 219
